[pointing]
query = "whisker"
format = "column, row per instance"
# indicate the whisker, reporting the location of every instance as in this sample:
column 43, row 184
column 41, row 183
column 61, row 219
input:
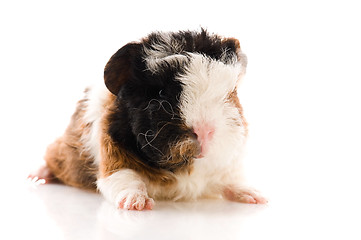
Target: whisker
column 161, row 103
column 151, row 102
column 170, row 105
column 149, row 142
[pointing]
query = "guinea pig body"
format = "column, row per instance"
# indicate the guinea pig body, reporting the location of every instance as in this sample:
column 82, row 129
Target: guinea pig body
column 167, row 124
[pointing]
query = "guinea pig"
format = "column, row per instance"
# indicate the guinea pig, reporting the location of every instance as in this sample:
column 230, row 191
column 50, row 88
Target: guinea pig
column 167, row 124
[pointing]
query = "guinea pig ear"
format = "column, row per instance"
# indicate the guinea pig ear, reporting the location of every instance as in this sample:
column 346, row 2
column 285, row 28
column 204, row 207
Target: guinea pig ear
column 120, row 67
column 233, row 45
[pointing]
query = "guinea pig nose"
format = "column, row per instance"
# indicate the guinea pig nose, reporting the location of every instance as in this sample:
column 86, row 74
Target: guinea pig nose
column 204, row 133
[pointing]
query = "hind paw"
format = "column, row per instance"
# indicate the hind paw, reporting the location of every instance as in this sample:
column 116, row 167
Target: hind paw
column 41, row 176
column 244, row 195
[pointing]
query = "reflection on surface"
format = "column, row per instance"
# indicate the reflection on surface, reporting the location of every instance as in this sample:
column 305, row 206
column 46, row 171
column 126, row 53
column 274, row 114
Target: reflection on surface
column 79, row 214
column 216, row 219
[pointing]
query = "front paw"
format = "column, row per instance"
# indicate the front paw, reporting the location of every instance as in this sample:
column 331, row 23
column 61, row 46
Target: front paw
column 134, row 200
column 243, row 195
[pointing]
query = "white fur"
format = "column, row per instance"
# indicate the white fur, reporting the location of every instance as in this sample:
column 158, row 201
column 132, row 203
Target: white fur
column 96, row 98
column 204, row 101
column 206, row 85
column 154, row 64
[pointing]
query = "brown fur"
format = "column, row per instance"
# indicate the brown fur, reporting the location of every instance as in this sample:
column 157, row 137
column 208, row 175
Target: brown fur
column 233, row 98
column 67, row 158
column 182, row 154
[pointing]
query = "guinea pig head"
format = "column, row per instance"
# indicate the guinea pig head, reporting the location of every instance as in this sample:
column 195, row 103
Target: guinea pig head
column 176, row 97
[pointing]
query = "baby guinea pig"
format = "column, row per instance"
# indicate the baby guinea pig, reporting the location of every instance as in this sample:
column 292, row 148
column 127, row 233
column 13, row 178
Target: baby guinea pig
column 167, row 124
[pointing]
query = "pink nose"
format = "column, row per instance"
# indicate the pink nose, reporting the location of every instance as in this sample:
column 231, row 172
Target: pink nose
column 204, row 134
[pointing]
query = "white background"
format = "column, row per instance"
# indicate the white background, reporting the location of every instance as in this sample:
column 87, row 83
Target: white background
column 301, row 96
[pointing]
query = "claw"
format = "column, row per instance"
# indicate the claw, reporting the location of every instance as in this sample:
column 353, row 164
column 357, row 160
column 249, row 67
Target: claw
column 136, row 201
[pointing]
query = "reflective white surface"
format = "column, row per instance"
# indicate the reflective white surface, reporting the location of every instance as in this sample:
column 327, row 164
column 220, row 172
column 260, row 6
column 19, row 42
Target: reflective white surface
column 56, row 211
column 62, row 212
